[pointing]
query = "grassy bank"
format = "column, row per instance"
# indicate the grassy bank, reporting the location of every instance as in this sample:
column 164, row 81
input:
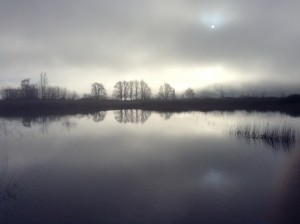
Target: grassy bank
column 288, row 105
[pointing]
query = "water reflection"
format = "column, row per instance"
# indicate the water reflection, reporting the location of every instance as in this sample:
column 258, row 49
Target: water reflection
column 186, row 170
column 285, row 202
column 11, row 184
column 3, row 127
column 68, row 124
column 166, row 115
column 42, row 122
column 132, row 116
column 257, row 133
column 99, row 116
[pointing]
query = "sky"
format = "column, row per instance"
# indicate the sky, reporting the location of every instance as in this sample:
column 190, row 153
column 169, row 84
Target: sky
column 187, row 43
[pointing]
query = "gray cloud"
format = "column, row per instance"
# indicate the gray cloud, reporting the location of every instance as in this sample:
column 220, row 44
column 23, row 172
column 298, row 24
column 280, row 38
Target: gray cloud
column 255, row 38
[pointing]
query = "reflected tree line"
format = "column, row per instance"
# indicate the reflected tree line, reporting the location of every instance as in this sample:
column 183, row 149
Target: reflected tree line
column 44, row 122
column 274, row 137
column 132, row 116
column 123, row 90
column 129, row 116
column 41, row 90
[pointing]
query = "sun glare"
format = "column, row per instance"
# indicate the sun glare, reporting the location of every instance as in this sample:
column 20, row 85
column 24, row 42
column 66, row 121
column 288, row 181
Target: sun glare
column 199, row 76
column 216, row 18
column 211, row 74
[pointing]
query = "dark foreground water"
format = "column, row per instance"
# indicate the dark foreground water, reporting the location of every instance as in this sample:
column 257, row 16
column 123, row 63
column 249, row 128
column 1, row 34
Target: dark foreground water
column 138, row 167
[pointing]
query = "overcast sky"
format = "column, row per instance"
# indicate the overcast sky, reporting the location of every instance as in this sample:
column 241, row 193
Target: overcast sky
column 188, row 43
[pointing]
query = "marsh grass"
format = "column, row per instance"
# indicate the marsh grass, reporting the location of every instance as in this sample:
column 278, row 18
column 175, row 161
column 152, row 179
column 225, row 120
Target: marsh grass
column 274, row 136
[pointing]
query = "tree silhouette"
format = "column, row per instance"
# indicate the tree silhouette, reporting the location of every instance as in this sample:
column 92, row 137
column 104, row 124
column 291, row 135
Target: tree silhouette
column 136, row 90
column 166, row 92
column 133, row 90
column 118, row 92
column 98, row 91
column 28, row 91
column 145, row 91
column 189, row 94
column 43, row 85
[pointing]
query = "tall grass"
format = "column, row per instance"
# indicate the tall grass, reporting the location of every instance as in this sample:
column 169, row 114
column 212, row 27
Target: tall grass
column 283, row 136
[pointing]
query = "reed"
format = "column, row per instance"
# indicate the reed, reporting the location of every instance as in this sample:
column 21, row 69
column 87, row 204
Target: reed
column 275, row 136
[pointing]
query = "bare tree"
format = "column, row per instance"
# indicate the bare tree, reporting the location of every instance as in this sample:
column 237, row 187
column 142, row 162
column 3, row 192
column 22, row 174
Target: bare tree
column 43, row 84
column 11, row 94
column 166, row 92
column 189, row 94
column 145, row 91
column 131, row 90
column 52, row 93
column 123, row 90
column 25, row 91
column 173, row 95
column 98, row 91
column 118, row 91
column 72, row 95
column 126, row 90
column 136, row 90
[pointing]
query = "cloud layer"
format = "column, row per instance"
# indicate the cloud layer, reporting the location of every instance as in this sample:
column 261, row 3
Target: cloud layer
column 79, row 42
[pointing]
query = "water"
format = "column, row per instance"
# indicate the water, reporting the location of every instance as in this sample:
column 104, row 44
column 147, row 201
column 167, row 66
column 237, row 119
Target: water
column 142, row 167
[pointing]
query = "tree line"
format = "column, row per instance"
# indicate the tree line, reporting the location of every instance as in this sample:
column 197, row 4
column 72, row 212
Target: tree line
column 138, row 90
column 122, row 90
column 42, row 90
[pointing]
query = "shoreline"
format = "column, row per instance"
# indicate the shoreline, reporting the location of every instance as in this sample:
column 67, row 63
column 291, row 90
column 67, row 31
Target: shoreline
column 288, row 105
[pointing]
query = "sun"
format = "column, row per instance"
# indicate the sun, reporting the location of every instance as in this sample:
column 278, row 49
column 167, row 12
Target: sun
column 212, row 27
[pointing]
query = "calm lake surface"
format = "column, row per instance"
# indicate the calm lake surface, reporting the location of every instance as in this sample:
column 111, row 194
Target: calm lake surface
column 142, row 167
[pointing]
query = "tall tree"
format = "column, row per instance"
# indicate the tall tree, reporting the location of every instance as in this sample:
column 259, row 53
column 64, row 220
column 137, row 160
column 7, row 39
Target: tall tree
column 118, row 91
column 131, row 90
column 145, row 91
column 43, row 84
column 126, row 90
column 166, row 92
column 136, row 90
column 98, row 91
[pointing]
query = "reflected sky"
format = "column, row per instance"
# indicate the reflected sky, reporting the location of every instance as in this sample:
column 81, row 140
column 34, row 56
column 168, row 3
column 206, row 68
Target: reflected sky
column 185, row 169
